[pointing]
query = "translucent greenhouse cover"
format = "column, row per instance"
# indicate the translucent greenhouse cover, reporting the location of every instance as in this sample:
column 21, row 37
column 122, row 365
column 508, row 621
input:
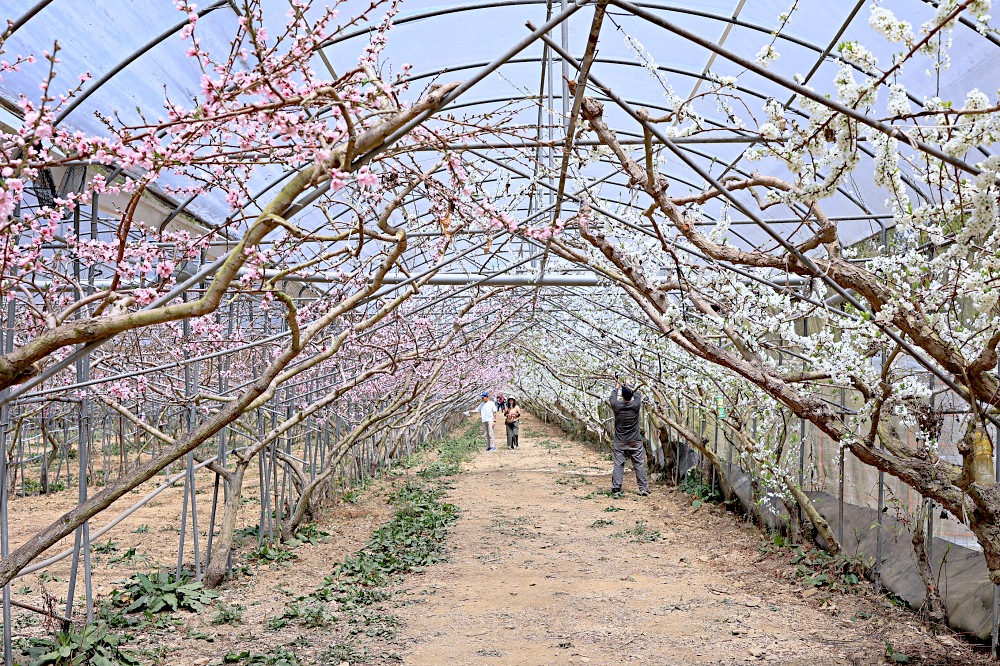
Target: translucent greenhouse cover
column 451, row 41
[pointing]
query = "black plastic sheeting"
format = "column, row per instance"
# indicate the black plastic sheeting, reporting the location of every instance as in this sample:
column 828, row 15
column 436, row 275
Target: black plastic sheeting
column 961, row 572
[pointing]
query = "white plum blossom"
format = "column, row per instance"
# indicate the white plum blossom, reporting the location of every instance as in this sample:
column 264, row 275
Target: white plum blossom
column 856, row 54
column 769, row 131
column 767, row 55
column 899, row 103
column 884, row 22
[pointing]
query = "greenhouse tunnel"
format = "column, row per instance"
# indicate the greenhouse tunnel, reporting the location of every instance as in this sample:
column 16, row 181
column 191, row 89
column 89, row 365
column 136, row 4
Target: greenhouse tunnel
column 259, row 255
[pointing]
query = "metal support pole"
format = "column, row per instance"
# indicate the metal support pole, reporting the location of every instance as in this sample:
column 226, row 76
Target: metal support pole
column 223, row 379
column 82, row 538
column 995, row 629
column 840, row 503
column 878, row 531
column 5, row 529
column 930, row 533
column 8, row 346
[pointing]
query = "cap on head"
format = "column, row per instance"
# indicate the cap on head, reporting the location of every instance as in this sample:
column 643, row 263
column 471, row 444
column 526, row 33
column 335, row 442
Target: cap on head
column 626, row 393
column 485, row 394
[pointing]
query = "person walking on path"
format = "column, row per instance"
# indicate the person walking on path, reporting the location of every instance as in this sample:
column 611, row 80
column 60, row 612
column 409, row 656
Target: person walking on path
column 626, row 403
column 488, row 415
column 512, row 419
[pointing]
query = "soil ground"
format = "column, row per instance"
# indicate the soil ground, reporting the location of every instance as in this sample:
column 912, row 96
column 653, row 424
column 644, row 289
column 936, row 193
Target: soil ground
column 545, row 568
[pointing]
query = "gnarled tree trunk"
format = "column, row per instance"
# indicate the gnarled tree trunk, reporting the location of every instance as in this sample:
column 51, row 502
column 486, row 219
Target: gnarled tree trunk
column 218, row 559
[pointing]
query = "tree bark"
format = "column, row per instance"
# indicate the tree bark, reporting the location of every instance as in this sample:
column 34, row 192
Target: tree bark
column 218, row 559
column 809, row 509
column 936, row 614
column 724, row 484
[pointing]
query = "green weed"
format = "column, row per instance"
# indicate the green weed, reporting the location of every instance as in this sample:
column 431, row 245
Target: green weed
column 353, row 496
column 280, row 656
column 310, row 534
column 93, row 644
column 129, row 557
column 413, row 538
column 105, row 548
column 374, row 625
column 226, row 614
column 452, row 452
column 309, row 614
column 575, row 480
column 896, row 657
column 694, row 484
column 339, row 652
column 155, row 593
column 270, row 554
column 818, row 568
column 639, row 534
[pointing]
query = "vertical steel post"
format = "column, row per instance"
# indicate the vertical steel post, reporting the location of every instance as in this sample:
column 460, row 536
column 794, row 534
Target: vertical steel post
column 878, row 531
column 840, row 478
column 714, row 472
column 81, row 541
column 995, row 631
column 223, row 379
column 4, row 526
column 930, row 533
column 564, row 39
column 188, row 471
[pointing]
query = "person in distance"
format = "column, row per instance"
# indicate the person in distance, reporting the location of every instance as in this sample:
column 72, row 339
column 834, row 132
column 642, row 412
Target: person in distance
column 512, row 419
column 488, row 415
column 626, row 403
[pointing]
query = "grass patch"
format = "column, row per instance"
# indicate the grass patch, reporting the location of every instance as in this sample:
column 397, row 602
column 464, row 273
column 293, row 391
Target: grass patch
column 598, row 494
column 548, row 444
column 414, row 538
column 92, row 644
column 339, row 652
column 602, row 522
column 574, row 481
column 270, row 554
column 162, row 592
column 818, row 568
column 130, row 557
column 639, row 534
column 281, row 656
column 226, row 614
column 452, row 452
column 694, row 484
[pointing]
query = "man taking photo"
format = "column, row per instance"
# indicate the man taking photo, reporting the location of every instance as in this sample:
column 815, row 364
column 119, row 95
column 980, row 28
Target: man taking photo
column 626, row 403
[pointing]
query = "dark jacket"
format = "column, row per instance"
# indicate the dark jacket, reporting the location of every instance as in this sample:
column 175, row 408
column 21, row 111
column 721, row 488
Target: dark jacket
column 626, row 417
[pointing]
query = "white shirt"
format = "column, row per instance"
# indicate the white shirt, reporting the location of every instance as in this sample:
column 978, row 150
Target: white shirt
column 487, row 410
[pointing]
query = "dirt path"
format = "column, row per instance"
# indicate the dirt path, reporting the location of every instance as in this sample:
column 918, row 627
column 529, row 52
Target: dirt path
column 545, row 569
column 538, row 576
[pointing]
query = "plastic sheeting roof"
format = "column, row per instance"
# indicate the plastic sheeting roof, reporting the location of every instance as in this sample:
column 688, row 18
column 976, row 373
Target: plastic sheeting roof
column 450, row 41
